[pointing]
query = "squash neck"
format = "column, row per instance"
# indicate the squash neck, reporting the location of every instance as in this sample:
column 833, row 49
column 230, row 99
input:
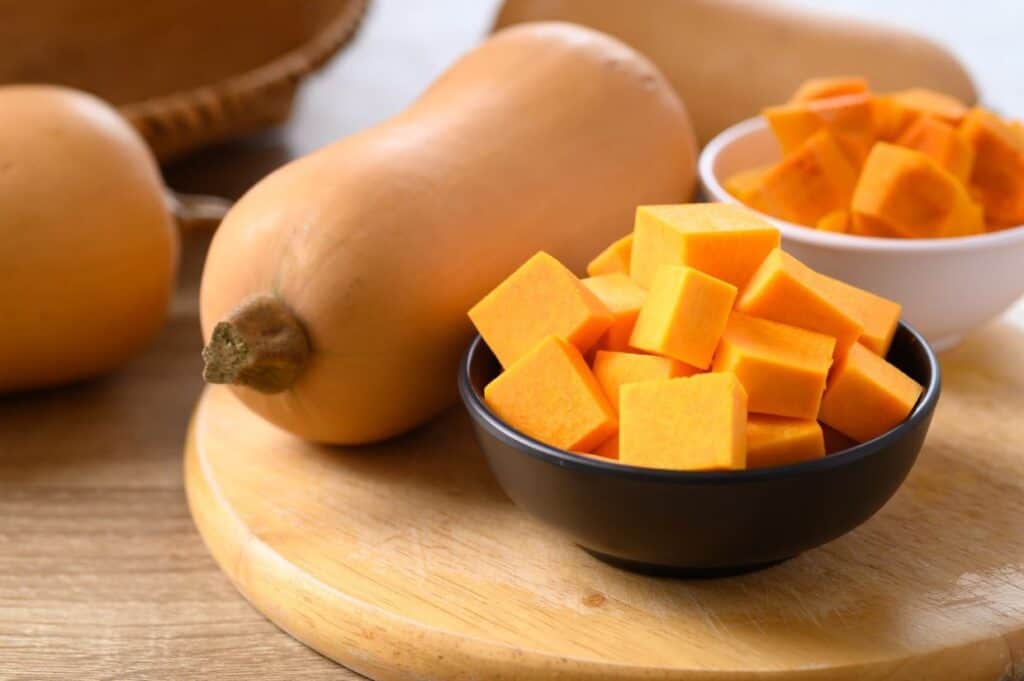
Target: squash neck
column 261, row 345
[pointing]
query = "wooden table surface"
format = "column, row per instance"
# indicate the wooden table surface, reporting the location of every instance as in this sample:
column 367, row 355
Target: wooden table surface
column 102, row 574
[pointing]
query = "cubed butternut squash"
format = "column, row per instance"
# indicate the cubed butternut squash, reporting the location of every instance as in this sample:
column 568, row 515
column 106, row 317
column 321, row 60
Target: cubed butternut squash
column 997, row 178
column 684, row 315
column 891, row 118
column 941, row 142
column 879, row 316
column 849, row 118
column 777, row 441
column 695, row 423
column 540, row 298
column 551, row 395
column 782, row 368
column 866, row 225
column 838, row 221
column 903, row 192
column 829, row 86
column 787, row 291
column 614, row 259
column 623, row 297
column 615, row 369
column 609, row 449
column 743, row 184
column 792, row 125
column 925, row 102
column 812, row 181
column 1018, row 130
column 867, row 396
column 725, row 241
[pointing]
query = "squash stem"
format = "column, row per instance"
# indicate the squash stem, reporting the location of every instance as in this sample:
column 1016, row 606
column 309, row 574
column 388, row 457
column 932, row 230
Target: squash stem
column 260, row 345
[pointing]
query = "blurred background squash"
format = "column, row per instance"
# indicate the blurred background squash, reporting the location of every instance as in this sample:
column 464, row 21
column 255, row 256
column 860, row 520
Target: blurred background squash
column 728, row 59
column 89, row 249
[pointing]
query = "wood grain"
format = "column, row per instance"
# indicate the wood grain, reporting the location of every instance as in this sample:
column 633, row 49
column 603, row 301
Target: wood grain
column 102, row 574
column 404, row 560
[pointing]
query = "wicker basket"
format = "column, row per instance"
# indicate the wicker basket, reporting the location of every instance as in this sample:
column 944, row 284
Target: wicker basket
column 186, row 73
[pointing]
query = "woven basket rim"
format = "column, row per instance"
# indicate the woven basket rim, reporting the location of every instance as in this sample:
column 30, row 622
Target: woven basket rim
column 283, row 71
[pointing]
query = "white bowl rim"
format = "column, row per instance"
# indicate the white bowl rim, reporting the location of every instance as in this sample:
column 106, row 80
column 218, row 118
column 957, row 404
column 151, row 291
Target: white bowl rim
column 832, row 240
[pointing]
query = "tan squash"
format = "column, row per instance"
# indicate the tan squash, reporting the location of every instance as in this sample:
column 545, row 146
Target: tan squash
column 728, row 59
column 88, row 250
column 335, row 292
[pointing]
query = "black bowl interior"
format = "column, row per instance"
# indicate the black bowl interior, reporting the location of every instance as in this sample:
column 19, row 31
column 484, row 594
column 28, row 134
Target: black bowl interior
column 712, row 522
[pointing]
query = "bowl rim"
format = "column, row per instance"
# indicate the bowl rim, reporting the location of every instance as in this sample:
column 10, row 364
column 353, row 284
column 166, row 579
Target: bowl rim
column 480, row 412
column 714, row 191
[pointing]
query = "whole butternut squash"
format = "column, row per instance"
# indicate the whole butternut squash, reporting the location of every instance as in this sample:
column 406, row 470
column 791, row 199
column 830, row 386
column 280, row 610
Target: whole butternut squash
column 728, row 59
column 335, row 292
column 88, row 249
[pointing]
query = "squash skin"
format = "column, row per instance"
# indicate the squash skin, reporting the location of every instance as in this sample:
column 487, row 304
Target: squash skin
column 723, row 56
column 89, row 251
column 381, row 242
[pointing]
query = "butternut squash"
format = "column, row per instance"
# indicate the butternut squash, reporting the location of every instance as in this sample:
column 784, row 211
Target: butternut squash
column 89, row 248
column 335, row 293
column 997, row 177
column 849, row 118
column 729, row 59
column 695, row 423
column 941, row 142
column 809, row 183
column 904, row 192
column 615, row 369
column 552, row 395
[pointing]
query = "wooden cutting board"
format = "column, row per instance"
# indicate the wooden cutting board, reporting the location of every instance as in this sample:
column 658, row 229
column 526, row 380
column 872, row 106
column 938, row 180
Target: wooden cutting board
column 405, row 560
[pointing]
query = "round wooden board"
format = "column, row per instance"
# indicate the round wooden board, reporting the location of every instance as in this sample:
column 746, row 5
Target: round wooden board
column 405, row 561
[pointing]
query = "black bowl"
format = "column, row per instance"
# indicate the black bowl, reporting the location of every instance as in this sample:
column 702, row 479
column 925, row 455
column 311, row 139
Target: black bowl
column 701, row 523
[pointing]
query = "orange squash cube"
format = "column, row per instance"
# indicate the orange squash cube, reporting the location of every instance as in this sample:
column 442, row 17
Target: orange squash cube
column 925, row 102
column 743, row 184
column 838, row 221
column 727, row 242
column 539, row 299
column 624, row 298
column 614, row 259
column 1018, row 130
column 792, row 125
column 615, row 369
column 787, row 291
column 941, row 142
column 815, row 179
column 832, row 86
column 783, row 368
column 865, row 225
column 609, row 449
column 904, row 192
column 776, row 441
column 551, row 395
column 891, row 118
column 879, row 316
column 684, row 315
column 695, row 423
column 867, row 396
column 997, row 178
column 850, row 119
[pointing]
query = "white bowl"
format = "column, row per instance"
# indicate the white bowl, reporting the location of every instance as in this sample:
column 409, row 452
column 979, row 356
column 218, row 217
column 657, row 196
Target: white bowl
column 946, row 286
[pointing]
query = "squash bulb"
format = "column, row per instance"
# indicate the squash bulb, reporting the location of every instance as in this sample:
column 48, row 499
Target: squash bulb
column 88, row 249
